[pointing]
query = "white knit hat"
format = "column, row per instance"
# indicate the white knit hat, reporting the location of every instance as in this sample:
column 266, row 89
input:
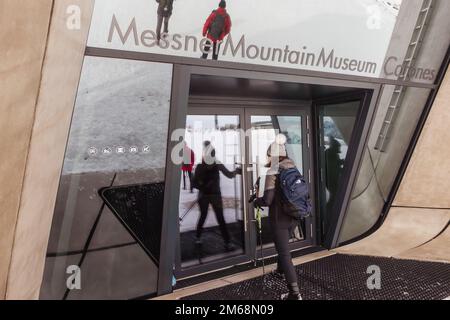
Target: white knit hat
column 278, row 147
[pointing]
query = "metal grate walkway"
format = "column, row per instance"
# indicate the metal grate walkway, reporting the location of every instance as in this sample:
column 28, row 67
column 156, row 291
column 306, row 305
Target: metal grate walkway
column 344, row 277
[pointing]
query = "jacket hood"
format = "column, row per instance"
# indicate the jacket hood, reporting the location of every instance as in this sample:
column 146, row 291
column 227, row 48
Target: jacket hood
column 287, row 164
column 283, row 165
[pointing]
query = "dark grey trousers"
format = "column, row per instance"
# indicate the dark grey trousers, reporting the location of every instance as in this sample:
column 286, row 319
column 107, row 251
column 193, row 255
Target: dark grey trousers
column 216, row 49
column 281, row 237
column 162, row 19
column 216, row 202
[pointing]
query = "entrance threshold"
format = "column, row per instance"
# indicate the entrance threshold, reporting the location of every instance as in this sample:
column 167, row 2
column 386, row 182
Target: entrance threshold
column 248, row 266
column 300, row 257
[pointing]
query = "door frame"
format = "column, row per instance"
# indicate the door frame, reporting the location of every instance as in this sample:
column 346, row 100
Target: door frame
column 245, row 112
column 178, row 111
column 303, row 111
column 218, row 109
column 352, row 161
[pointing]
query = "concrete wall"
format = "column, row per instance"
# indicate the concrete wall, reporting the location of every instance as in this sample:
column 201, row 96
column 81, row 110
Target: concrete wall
column 368, row 199
column 426, row 183
column 379, row 169
column 42, row 77
column 417, row 224
column 23, row 34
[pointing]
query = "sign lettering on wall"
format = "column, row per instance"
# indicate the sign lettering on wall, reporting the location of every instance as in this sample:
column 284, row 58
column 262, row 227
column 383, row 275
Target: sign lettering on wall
column 346, row 36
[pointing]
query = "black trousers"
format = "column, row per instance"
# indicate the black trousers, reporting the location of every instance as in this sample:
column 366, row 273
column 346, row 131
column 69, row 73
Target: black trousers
column 162, row 19
column 216, row 49
column 216, row 202
column 281, row 237
column 189, row 174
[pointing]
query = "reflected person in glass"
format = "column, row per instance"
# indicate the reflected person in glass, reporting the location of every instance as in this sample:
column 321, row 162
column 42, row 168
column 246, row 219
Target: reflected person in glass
column 333, row 171
column 207, row 181
column 215, row 29
column 165, row 8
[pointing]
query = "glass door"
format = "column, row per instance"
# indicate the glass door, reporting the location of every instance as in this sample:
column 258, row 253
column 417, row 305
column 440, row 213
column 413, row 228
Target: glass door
column 336, row 124
column 224, row 153
column 212, row 218
column 340, row 122
column 264, row 126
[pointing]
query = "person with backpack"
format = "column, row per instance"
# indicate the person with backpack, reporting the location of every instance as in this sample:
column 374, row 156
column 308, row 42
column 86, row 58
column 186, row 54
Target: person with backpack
column 207, row 181
column 165, row 8
column 216, row 28
column 286, row 194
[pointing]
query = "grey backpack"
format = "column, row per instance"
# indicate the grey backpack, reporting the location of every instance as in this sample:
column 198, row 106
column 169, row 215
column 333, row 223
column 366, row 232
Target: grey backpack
column 217, row 26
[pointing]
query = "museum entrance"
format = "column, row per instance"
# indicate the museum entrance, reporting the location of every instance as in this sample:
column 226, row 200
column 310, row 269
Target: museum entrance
column 224, row 229
column 225, row 226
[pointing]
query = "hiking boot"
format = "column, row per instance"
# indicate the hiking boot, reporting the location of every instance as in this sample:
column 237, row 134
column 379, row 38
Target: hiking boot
column 291, row 296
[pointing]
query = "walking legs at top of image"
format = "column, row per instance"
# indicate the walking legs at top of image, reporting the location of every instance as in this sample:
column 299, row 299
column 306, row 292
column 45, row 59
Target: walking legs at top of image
column 216, row 50
column 164, row 11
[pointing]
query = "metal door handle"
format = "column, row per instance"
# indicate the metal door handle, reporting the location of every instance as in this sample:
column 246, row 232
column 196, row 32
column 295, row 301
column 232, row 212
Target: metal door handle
column 244, row 181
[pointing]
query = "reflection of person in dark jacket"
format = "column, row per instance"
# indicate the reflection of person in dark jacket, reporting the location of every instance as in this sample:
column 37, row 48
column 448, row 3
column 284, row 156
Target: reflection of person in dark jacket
column 333, row 171
column 165, row 8
column 216, row 28
column 282, row 224
column 207, row 181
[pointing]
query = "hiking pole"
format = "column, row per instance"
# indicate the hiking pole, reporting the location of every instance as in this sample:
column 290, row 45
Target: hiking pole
column 236, row 209
column 253, row 197
column 188, row 210
column 259, row 220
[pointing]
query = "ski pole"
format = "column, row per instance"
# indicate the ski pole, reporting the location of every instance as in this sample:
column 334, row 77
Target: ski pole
column 259, row 220
column 189, row 210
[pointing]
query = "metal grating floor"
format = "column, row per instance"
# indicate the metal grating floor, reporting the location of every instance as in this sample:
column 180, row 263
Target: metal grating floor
column 344, row 277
